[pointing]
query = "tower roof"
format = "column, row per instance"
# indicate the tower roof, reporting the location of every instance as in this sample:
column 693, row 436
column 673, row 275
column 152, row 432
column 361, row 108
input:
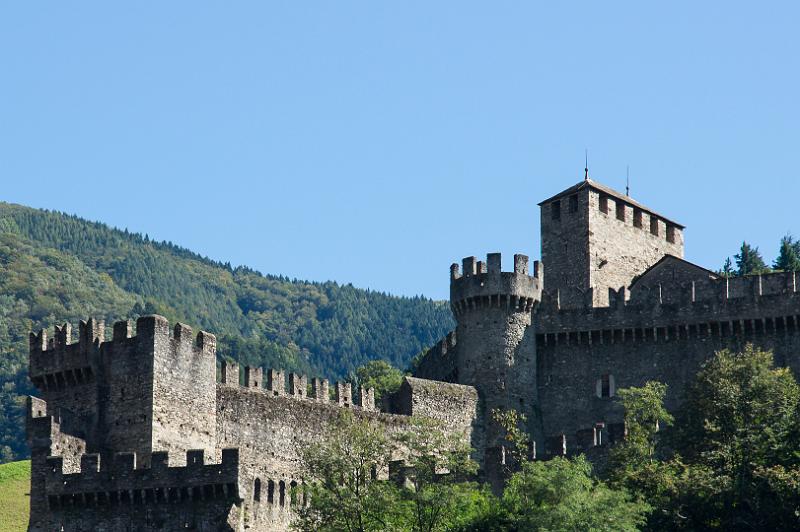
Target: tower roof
column 598, row 187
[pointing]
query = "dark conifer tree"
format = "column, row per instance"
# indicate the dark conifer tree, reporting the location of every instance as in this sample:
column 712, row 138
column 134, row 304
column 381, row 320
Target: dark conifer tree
column 749, row 260
column 727, row 268
column 788, row 259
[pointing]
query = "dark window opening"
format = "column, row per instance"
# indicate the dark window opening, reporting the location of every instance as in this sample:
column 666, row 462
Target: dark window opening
column 282, row 493
column 671, row 234
column 604, row 204
column 654, row 225
column 620, row 211
column 573, row 203
column 605, row 389
column 257, row 490
column 271, row 492
column 293, row 493
column 555, row 210
column 637, row 218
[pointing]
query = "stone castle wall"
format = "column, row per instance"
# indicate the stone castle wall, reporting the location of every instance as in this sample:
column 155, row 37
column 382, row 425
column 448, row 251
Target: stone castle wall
column 618, row 249
column 594, row 239
column 137, row 432
column 161, row 445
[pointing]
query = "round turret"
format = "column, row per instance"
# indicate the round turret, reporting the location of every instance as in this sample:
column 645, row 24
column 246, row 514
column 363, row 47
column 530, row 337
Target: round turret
column 496, row 347
column 485, row 285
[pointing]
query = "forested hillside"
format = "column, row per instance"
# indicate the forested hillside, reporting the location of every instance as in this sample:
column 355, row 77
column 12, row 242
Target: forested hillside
column 56, row 268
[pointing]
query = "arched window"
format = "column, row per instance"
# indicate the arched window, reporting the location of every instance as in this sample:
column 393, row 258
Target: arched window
column 271, row 492
column 257, row 490
column 293, row 493
column 282, row 493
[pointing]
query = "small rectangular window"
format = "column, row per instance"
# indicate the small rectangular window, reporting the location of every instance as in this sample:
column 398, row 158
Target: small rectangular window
column 671, row 234
column 573, row 203
column 653, row 225
column 605, row 386
column 604, row 204
column 555, row 210
column 637, row 218
column 620, row 211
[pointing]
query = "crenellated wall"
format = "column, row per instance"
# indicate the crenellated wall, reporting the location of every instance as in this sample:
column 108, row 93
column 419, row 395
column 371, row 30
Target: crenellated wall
column 123, row 495
column 667, row 328
column 440, row 362
column 120, row 461
column 110, row 434
column 108, row 392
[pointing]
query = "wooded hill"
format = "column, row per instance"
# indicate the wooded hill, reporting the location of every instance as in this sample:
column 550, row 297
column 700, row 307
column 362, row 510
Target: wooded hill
column 56, row 268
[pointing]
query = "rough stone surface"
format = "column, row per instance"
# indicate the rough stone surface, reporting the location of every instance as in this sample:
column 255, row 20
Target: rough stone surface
column 136, row 434
column 618, row 307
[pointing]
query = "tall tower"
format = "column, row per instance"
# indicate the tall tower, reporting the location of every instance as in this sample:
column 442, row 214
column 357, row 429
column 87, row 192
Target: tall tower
column 496, row 347
column 595, row 239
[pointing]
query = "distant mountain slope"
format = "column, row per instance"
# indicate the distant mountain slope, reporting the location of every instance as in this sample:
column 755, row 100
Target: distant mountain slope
column 55, row 268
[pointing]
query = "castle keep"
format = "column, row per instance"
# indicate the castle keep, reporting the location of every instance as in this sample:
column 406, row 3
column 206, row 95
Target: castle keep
column 144, row 431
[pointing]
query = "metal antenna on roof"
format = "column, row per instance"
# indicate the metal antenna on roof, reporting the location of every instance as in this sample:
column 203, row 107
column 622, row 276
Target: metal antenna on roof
column 586, row 168
column 628, row 180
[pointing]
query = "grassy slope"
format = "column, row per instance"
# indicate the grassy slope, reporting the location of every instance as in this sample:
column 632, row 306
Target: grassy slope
column 14, row 496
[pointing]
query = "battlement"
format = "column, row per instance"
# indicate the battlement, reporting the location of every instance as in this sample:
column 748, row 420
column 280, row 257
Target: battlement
column 769, row 297
column 485, row 285
column 59, row 362
column 122, row 482
column 440, row 362
column 445, row 345
column 297, row 387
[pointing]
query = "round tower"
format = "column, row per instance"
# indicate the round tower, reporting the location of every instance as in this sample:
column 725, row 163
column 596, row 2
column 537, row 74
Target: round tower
column 496, row 345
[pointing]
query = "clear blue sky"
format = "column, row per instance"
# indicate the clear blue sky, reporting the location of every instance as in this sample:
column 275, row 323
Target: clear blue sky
column 377, row 142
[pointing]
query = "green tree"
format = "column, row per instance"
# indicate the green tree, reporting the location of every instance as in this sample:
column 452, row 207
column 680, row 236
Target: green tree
column 749, row 260
column 727, row 268
column 349, row 490
column 788, row 258
column 344, row 494
column 636, row 463
column 738, row 432
column 562, row 495
column 645, row 415
column 516, row 439
column 381, row 376
column 438, row 468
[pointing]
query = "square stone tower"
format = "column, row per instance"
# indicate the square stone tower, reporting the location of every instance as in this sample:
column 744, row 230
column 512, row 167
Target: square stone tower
column 595, row 239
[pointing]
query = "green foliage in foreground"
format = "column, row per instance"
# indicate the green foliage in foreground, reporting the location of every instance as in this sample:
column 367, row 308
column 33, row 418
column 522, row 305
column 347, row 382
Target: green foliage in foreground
column 560, row 494
column 728, row 460
column 56, row 268
column 732, row 462
column 349, row 491
column 14, row 499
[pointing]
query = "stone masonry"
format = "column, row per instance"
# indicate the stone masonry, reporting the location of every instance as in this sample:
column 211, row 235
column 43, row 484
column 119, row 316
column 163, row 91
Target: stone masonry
column 136, row 433
column 615, row 306
column 143, row 430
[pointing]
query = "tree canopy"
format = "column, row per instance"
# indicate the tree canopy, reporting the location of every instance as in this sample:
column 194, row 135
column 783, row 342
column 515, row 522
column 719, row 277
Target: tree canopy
column 732, row 460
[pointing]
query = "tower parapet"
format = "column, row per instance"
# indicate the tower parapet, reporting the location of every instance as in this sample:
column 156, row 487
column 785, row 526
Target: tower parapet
column 484, row 284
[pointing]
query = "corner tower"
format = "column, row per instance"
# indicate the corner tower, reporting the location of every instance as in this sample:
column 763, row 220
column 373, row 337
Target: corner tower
column 496, row 348
column 595, row 239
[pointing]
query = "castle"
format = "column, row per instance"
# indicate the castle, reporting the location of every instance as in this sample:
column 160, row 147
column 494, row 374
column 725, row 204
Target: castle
column 146, row 432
